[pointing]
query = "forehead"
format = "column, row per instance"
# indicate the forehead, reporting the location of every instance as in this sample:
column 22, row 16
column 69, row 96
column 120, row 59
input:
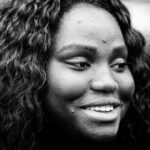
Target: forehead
column 87, row 24
column 88, row 13
column 84, row 15
column 80, row 9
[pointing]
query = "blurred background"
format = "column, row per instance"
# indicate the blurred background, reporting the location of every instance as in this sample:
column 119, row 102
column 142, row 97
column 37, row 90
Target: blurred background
column 140, row 16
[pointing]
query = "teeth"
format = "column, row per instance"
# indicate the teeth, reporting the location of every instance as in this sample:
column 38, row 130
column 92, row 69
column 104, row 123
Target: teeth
column 101, row 108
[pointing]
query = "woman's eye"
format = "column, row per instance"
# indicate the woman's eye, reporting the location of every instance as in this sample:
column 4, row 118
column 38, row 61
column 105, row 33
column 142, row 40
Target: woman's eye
column 78, row 63
column 119, row 67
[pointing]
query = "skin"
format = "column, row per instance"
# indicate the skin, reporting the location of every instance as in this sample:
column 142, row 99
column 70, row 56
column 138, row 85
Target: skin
column 88, row 68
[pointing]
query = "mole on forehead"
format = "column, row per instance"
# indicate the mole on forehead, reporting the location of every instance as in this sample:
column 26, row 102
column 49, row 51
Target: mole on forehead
column 104, row 40
column 79, row 21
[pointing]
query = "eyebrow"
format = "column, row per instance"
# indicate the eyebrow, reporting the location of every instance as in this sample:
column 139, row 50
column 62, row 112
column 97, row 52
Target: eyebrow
column 119, row 51
column 88, row 48
column 74, row 50
column 91, row 51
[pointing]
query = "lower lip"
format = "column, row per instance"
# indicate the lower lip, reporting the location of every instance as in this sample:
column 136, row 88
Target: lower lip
column 102, row 116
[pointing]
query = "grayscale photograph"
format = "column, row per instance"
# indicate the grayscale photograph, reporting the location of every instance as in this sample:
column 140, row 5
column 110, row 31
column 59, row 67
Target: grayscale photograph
column 74, row 74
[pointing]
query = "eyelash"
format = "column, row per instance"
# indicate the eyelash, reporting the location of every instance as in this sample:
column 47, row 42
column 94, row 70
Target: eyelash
column 82, row 64
column 119, row 67
column 79, row 63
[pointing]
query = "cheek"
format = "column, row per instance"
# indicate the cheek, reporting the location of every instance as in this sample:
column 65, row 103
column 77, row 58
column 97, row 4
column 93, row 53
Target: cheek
column 66, row 83
column 127, row 86
column 126, row 90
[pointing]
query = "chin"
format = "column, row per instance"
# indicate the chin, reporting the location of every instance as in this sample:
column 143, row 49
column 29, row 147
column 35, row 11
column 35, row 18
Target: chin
column 103, row 133
column 106, row 137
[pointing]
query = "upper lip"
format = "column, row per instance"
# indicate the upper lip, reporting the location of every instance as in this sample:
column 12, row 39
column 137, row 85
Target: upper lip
column 104, row 102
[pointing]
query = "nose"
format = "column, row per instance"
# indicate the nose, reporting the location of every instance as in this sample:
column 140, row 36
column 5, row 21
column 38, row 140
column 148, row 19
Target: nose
column 103, row 80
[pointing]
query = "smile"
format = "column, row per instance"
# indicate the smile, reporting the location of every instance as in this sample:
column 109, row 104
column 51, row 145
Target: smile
column 107, row 105
column 106, row 108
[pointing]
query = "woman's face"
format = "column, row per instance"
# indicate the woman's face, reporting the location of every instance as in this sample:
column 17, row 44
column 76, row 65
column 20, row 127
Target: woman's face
column 90, row 83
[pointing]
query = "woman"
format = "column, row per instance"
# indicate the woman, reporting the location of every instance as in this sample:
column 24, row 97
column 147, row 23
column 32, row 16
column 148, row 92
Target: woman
column 68, row 75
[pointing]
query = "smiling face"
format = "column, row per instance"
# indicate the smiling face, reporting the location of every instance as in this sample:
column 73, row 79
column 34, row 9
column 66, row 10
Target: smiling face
column 88, row 75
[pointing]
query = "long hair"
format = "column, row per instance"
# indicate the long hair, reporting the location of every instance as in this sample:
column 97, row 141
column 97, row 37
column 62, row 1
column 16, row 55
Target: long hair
column 26, row 36
column 143, row 94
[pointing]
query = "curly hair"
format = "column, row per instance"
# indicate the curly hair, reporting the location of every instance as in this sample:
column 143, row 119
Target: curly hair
column 143, row 94
column 26, row 36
